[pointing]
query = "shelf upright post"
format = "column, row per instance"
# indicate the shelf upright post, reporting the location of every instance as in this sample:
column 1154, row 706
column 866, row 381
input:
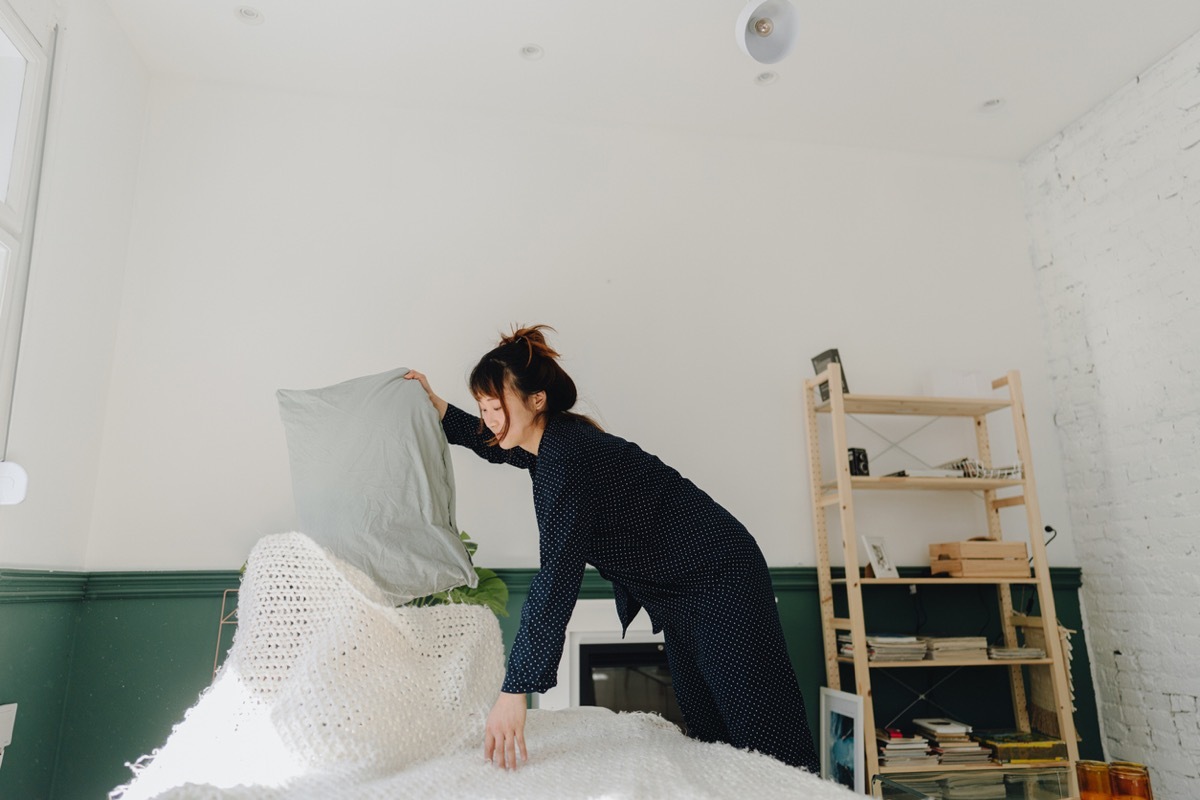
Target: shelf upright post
column 1016, row 677
column 1041, row 568
column 833, row 678
column 858, row 633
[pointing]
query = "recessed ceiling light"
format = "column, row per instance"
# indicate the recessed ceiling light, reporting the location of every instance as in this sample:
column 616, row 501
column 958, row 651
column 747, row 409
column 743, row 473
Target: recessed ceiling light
column 532, row 52
column 250, row 15
column 992, row 104
column 766, row 78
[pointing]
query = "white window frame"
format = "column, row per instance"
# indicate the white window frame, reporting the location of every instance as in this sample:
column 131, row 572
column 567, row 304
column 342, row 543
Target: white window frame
column 17, row 211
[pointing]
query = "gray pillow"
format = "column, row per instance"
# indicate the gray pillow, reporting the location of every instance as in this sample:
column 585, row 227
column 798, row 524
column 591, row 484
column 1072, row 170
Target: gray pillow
column 373, row 482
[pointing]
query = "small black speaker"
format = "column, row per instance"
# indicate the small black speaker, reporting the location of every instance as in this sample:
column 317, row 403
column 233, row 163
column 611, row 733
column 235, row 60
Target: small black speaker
column 858, row 461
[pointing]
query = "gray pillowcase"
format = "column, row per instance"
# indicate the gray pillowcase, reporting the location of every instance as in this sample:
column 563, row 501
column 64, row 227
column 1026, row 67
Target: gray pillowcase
column 374, row 484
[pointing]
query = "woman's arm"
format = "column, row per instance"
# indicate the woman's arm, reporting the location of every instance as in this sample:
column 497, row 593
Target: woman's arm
column 438, row 403
column 565, row 520
column 463, row 429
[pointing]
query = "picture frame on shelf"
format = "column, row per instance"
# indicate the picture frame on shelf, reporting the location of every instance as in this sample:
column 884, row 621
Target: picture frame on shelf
column 820, row 362
column 877, row 556
column 843, row 748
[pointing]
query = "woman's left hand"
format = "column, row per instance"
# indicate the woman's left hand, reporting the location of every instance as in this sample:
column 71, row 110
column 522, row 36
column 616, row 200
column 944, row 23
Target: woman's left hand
column 506, row 731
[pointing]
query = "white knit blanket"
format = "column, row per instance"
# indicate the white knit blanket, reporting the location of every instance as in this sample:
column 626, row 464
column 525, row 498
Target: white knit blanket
column 329, row 692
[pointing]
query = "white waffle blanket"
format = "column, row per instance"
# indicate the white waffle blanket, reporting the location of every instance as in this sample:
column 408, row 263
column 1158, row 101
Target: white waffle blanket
column 329, row 692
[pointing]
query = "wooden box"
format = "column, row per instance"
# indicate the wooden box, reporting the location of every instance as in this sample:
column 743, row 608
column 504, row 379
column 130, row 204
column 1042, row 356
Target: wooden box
column 979, row 559
column 979, row 548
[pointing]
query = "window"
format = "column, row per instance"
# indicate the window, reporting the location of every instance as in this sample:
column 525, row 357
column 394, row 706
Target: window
column 12, row 80
column 24, row 90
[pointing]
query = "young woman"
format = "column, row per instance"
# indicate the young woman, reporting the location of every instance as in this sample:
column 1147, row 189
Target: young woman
column 665, row 545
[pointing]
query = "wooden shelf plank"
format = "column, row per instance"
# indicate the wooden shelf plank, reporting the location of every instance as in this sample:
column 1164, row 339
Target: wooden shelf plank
column 975, row 767
column 932, row 484
column 940, row 581
column 918, row 406
column 947, row 662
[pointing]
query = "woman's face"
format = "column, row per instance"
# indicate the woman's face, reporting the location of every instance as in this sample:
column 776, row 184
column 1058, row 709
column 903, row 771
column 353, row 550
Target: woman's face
column 524, row 425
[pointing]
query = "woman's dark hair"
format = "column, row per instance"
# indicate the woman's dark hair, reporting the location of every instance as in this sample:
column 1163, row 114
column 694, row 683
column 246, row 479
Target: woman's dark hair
column 525, row 362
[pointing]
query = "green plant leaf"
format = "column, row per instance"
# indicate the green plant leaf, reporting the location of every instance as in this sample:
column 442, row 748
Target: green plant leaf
column 491, row 590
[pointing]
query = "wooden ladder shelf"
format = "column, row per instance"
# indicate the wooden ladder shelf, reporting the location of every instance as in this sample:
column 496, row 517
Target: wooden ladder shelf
column 837, row 497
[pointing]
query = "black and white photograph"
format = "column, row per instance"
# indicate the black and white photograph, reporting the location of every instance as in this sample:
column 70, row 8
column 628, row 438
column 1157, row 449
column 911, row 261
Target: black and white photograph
column 878, row 558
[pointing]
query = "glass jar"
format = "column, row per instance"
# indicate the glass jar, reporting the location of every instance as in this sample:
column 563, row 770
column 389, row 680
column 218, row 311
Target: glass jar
column 1129, row 781
column 1094, row 781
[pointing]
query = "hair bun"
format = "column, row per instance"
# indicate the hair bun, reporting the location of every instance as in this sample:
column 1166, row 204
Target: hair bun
column 524, row 361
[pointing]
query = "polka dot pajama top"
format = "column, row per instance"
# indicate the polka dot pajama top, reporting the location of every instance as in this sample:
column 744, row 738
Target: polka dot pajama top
column 668, row 547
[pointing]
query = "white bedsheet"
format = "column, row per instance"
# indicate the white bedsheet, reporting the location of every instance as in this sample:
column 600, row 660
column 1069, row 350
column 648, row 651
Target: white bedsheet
column 329, row 692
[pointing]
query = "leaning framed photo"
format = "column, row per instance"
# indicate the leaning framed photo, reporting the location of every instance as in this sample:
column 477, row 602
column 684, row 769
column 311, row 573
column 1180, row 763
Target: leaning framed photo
column 878, row 558
column 843, row 747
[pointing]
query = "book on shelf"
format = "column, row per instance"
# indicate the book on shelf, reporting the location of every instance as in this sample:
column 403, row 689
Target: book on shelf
column 973, row 786
column 886, row 647
column 941, row 725
column 894, row 736
column 1020, row 747
column 898, row 750
column 923, row 472
column 962, row 648
column 926, row 760
column 1013, row 653
column 963, row 753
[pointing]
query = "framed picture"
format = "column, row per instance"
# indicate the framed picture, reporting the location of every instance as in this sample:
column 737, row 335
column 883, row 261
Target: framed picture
column 820, row 362
column 877, row 555
column 843, row 747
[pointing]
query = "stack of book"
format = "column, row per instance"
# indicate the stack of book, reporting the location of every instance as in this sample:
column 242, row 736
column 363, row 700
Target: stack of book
column 886, row 647
column 1015, row 653
column 1017, row 747
column 898, row 750
column 951, row 741
column 957, row 648
column 974, row 786
column 960, row 750
column 960, row 785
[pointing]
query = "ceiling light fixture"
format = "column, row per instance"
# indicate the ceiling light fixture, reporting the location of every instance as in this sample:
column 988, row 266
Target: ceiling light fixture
column 767, row 30
column 766, row 78
column 250, row 15
column 532, row 52
column 992, row 105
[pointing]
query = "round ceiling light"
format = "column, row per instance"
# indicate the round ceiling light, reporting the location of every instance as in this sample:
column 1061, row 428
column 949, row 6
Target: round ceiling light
column 532, row 52
column 767, row 30
column 250, row 15
column 766, row 78
column 992, row 105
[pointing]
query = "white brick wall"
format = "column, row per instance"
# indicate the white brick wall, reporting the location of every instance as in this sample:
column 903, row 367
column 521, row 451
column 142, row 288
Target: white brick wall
column 1114, row 207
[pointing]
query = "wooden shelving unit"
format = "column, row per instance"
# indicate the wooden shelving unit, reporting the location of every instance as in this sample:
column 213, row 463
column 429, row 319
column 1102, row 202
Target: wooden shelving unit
column 837, row 496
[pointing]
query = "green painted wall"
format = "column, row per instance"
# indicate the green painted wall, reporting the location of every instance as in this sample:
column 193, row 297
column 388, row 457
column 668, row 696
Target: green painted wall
column 142, row 656
column 38, row 616
column 104, row 664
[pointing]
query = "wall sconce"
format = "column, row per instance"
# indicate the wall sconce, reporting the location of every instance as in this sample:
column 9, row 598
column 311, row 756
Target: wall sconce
column 768, row 30
column 13, row 483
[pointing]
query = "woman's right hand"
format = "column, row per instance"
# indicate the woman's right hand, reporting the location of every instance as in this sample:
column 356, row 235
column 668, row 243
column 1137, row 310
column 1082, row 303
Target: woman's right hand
column 438, row 403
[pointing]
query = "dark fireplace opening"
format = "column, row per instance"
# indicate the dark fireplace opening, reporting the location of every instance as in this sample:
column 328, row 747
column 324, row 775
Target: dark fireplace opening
column 628, row 676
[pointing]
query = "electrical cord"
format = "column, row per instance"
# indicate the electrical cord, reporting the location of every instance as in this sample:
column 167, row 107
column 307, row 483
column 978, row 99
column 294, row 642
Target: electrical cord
column 1028, row 603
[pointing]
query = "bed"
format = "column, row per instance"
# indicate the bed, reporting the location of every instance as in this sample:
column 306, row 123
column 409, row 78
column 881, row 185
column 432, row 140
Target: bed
column 331, row 692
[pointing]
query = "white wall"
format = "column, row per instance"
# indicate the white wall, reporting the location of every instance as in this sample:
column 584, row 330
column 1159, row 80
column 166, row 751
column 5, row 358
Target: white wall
column 74, row 297
column 1113, row 204
column 294, row 241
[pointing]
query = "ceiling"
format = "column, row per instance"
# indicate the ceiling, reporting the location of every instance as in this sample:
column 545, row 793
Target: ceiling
column 909, row 75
